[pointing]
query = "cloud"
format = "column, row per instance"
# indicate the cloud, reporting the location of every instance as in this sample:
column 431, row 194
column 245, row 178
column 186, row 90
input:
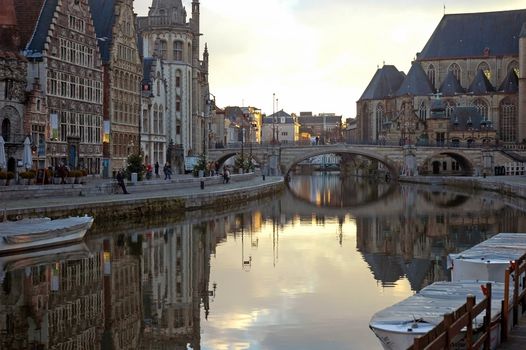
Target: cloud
column 315, row 55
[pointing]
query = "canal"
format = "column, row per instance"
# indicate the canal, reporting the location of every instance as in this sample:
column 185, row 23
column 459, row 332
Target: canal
column 303, row 270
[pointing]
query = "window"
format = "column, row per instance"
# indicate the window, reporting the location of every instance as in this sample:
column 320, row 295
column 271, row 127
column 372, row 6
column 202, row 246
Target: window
column 514, row 65
column 431, row 74
column 455, row 69
column 422, row 111
column 178, row 50
column 508, row 120
column 482, row 108
column 163, row 47
column 6, row 129
column 379, row 119
column 178, row 79
column 485, row 69
column 178, row 104
column 450, row 106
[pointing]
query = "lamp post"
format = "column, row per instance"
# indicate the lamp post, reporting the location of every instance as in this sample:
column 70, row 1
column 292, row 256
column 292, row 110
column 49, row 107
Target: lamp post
column 273, row 118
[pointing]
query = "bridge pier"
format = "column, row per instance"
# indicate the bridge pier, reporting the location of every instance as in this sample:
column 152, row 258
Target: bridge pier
column 410, row 167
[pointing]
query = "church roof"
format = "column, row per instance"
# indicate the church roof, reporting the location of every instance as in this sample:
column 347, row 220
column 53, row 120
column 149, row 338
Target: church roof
column 510, row 83
column 473, row 34
column 103, row 22
column 39, row 25
column 481, row 85
column 415, row 83
column 384, row 84
column 465, row 118
column 451, row 86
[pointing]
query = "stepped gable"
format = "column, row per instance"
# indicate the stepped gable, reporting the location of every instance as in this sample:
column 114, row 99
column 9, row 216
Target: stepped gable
column 475, row 35
column 415, row 83
column 481, row 85
column 451, row 86
column 103, row 19
column 510, row 84
column 385, row 83
column 36, row 42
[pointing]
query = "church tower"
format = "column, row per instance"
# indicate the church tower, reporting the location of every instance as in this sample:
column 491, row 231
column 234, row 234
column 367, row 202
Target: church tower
column 522, row 84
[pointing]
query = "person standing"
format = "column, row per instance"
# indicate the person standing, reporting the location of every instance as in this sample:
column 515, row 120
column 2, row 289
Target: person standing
column 167, row 171
column 156, row 168
column 120, row 181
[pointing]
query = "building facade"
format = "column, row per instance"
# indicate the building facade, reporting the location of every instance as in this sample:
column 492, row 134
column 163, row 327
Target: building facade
column 280, row 127
column 471, row 60
column 122, row 69
column 60, row 44
column 166, row 34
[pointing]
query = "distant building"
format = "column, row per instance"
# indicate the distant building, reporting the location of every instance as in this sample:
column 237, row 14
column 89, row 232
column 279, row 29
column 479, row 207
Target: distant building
column 472, row 60
column 328, row 127
column 280, row 127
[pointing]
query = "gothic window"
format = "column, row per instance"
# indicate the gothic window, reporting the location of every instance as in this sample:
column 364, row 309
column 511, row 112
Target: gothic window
column 422, row 111
column 163, row 47
column 178, row 79
column 431, row 74
column 450, row 106
column 508, row 120
column 6, row 129
column 482, row 108
column 155, row 119
column 178, row 104
column 455, row 69
column 158, row 87
column 380, row 115
column 485, row 69
column 515, row 66
column 178, row 50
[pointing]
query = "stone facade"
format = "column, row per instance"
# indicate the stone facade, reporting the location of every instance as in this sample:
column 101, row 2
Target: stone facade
column 68, row 64
column 166, row 34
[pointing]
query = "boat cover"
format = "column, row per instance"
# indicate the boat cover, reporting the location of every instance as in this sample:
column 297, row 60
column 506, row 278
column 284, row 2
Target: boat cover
column 501, row 248
column 434, row 301
column 27, row 230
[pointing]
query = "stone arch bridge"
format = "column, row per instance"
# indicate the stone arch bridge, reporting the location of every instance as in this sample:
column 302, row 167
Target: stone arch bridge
column 399, row 160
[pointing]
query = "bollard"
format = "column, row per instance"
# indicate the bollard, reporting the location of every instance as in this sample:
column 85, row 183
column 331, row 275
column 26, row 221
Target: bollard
column 202, row 185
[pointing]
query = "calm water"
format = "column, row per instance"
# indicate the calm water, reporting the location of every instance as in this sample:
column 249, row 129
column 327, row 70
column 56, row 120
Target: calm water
column 304, row 270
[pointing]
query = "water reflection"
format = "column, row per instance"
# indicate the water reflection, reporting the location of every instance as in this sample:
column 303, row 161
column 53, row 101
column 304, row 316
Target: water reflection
column 304, row 270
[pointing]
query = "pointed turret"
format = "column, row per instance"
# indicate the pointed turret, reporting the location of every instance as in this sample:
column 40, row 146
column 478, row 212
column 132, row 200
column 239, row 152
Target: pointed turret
column 205, row 58
column 415, row 83
column 451, row 86
column 510, row 84
column 481, row 85
column 195, row 25
column 167, row 12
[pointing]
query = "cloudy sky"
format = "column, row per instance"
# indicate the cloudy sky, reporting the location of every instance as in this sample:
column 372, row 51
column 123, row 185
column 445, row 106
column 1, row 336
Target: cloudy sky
column 315, row 55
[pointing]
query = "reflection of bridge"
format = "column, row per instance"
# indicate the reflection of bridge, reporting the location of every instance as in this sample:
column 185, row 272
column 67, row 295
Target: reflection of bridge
column 397, row 159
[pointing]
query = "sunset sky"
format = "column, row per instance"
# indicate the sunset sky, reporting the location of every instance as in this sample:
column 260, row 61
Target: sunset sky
column 315, row 55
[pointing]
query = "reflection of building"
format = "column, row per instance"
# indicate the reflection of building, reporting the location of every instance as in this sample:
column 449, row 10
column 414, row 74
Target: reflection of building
column 53, row 305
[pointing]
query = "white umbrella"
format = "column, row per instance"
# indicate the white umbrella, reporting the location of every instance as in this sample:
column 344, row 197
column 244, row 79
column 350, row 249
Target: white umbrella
column 27, row 157
column 3, row 162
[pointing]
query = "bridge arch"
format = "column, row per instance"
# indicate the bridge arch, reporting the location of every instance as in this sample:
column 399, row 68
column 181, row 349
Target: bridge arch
column 466, row 165
column 391, row 166
column 221, row 159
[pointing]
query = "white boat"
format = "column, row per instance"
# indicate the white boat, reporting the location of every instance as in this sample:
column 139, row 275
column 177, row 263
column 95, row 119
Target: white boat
column 488, row 260
column 398, row 325
column 16, row 236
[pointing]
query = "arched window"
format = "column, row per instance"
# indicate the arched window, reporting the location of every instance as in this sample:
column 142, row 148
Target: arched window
column 508, row 120
column 515, row 66
column 155, row 119
column 163, row 48
column 380, row 115
column 178, row 50
column 422, row 111
column 431, row 73
column 485, row 69
column 455, row 69
column 482, row 108
column 6, row 129
column 450, row 106
column 178, row 79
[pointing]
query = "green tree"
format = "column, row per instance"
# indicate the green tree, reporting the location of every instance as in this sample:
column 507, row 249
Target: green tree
column 135, row 164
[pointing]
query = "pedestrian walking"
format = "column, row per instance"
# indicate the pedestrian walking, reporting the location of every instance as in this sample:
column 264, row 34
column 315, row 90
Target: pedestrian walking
column 120, row 181
column 226, row 175
column 167, row 171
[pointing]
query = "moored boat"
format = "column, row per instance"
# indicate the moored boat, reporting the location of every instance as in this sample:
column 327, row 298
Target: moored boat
column 488, row 260
column 27, row 234
column 398, row 325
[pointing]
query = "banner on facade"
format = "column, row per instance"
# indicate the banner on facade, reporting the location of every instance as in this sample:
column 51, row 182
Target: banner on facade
column 106, row 136
column 54, row 126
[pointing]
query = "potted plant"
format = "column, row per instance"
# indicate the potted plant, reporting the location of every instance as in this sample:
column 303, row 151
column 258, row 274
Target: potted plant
column 28, row 175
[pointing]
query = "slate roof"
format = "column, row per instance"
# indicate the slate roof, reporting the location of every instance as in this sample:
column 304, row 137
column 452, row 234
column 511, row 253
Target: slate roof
column 510, row 84
column 386, row 81
column 147, row 71
column 416, row 83
column 438, row 109
column 451, row 86
column 278, row 115
column 461, row 117
column 35, row 46
column 469, row 34
column 481, row 85
column 103, row 19
column 27, row 13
